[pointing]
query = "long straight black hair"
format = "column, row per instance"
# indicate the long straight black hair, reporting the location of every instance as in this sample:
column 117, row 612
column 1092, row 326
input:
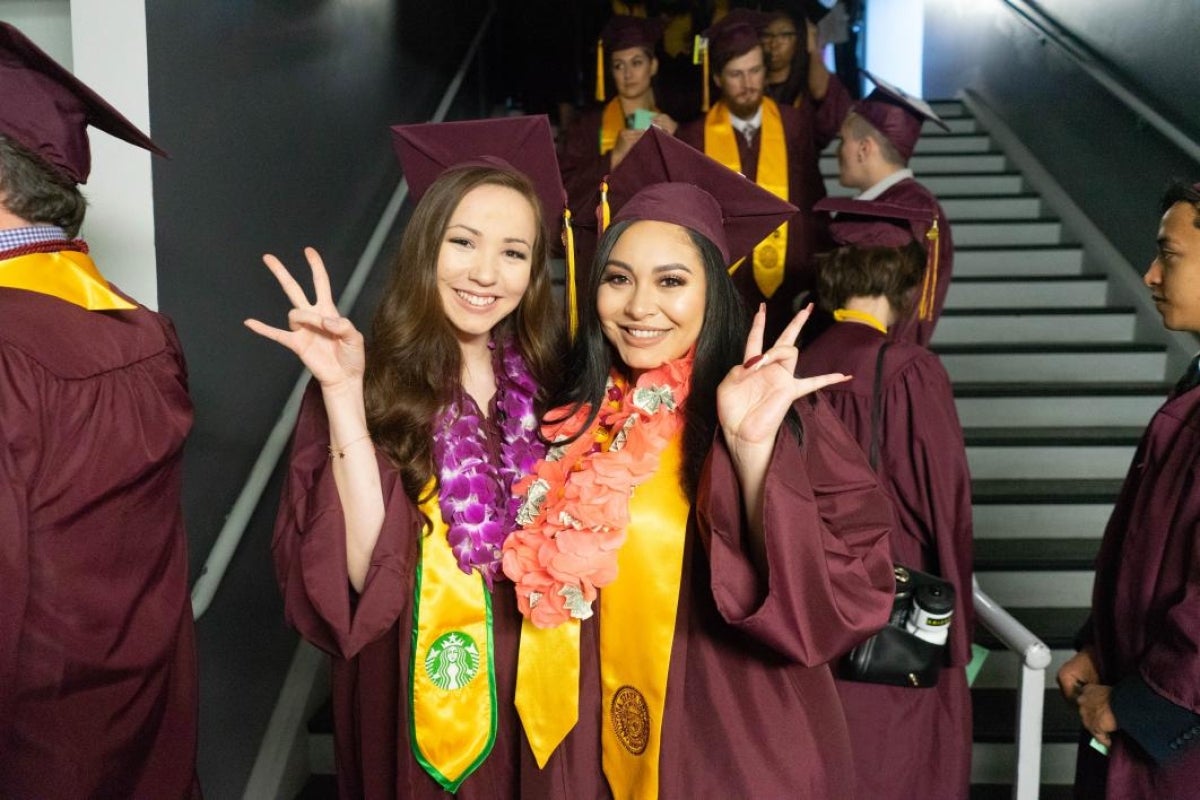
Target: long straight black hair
column 719, row 347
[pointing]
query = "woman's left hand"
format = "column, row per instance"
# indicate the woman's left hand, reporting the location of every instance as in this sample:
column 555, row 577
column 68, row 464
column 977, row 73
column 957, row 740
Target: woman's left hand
column 755, row 396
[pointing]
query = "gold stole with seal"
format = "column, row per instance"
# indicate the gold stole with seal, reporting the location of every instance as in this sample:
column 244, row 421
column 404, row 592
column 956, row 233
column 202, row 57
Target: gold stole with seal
column 66, row 274
column 452, row 675
column 637, row 630
column 719, row 144
column 611, row 125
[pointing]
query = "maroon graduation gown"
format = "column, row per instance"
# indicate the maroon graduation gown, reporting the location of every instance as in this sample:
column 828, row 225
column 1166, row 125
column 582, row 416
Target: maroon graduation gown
column 751, row 708
column 910, row 742
column 98, row 690
column 369, row 636
column 583, row 167
column 807, row 130
column 1146, row 604
column 909, row 192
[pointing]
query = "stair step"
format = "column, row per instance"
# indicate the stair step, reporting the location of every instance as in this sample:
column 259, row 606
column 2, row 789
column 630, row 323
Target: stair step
column 954, row 143
column 1033, row 436
column 1017, row 491
column 1055, row 626
column 967, row 325
column 955, row 124
column 1015, row 207
column 1027, row 292
column 1040, row 520
column 947, row 186
column 1017, row 261
column 1006, row 233
column 949, row 109
column 994, row 762
column 1057, row 406
column 1036, row 554
column 1002, row 669
column 995, row 716
column 1050, row 453
column 939, row 164
column 1004, row 791
column 1052, row 588
column 1053, row 362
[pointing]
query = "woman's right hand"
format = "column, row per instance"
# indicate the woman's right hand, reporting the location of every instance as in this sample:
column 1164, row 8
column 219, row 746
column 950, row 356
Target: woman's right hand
column 328, row 343
column 1079, row 671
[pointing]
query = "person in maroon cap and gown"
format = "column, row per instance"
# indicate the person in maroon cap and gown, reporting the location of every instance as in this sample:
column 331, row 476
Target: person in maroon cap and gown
column 704, row 535
column 387, row 541
column 97, row 650
column 599, row 138
column 1136, row 678
column 907, row 742
column 877, row 140
column 778, row 147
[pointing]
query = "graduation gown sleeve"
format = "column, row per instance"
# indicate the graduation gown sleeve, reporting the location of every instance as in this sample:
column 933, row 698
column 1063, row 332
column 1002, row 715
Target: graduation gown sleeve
column 829, row 575
column 309, row 547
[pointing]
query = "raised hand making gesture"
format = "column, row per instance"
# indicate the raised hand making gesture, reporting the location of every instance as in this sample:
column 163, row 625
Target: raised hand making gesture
column 326, row 342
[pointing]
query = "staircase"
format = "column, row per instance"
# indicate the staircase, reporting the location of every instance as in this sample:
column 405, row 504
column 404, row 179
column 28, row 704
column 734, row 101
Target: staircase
column 1053, row 391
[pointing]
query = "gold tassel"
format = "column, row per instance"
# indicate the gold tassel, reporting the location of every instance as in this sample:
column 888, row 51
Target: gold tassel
column 929, row 289
column 572, row 299
column 605, row 213
column 599, row 70
column 702, row 46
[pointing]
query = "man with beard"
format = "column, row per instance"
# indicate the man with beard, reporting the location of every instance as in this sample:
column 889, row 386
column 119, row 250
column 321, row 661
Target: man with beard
column 775, row 146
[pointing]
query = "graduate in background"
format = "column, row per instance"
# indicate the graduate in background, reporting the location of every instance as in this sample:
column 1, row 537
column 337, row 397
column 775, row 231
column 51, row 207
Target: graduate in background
column 398, row 496
column 601, row 137
column 777, row 147
column 907, row 742
column 878, row 137
column 1136, row 677
column 97, row 646
column 703, row 536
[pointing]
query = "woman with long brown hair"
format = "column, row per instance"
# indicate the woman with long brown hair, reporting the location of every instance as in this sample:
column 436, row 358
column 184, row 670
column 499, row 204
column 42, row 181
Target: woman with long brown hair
column 387, row 543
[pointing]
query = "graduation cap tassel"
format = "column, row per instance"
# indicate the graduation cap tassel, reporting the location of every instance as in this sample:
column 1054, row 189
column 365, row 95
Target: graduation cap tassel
column 704, row 71
column 572, row 299
column 605, row 211
column 599, row 70
column 929, row 289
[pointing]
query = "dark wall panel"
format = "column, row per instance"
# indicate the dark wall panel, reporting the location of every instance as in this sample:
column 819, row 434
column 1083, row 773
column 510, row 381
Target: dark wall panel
column 1113, row 164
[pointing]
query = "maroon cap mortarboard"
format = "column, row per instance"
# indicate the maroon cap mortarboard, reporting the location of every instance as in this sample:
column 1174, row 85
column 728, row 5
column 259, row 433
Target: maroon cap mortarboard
column 664, row 179
column 896, row 114
column 520, row 144
column 870, row 223
column 622, row 32
column 735, row 34
column 47, row 110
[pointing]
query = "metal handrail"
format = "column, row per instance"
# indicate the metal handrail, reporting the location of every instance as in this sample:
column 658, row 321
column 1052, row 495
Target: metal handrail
column 264, row 466
column 1048, row 29
column 1031, row 687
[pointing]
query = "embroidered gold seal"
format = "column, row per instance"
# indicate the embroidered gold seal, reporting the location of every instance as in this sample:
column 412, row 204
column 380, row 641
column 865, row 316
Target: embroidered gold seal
column 631, row 719
column 768, row 257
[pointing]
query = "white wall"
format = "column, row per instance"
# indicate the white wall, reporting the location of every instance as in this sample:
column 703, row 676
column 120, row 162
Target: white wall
column 104, row 43
column 895, row 40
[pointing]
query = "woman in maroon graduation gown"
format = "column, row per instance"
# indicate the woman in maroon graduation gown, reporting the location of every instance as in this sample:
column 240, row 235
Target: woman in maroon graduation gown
column 908, row 742
column 703, row 535
column 398, row 495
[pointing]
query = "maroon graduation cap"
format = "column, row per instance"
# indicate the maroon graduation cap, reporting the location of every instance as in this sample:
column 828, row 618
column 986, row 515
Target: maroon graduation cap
column 517, row 144
column 896, row 114
column 47, row 110
column 870, row 223
column 666, row 180
column 622, row 32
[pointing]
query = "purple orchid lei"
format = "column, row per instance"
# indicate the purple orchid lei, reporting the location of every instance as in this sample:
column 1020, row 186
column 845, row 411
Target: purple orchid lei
column 475, row 497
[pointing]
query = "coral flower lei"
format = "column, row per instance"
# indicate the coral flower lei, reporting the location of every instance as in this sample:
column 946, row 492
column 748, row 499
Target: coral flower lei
column 574, row 508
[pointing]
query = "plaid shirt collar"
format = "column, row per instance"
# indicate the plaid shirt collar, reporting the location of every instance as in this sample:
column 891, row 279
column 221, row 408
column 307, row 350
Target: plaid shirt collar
column 13, row 238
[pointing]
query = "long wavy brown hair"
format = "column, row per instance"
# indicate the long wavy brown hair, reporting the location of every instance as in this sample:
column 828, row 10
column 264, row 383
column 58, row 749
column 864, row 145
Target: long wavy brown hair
column 414, row 364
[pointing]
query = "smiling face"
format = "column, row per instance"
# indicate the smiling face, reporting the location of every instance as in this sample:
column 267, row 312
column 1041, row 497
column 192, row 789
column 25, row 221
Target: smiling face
column 484, row 260
column 632, row 69
column 1174, row 275
column 652, row 294
column 741, row 82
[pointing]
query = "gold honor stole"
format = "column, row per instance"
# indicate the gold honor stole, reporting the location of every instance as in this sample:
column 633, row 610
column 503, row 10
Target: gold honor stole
column 720, row 145
column 611, row 125
column 637, row 629
column 453, row 681
column 66, row 274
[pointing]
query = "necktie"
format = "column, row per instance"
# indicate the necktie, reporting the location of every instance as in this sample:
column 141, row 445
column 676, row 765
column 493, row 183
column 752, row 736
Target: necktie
column 749, row 133
column 1190, row 378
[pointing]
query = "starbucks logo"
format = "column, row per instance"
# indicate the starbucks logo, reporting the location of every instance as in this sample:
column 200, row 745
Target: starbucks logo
column 631, row 719
column 452, row 661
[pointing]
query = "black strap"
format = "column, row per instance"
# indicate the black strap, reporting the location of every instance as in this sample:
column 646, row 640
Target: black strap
column 877, row 405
